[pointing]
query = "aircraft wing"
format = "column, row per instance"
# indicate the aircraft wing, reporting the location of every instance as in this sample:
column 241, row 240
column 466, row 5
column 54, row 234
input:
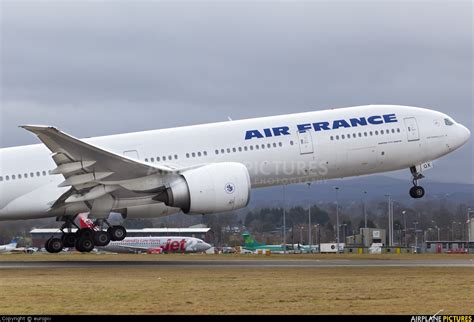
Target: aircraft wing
column 93, row 172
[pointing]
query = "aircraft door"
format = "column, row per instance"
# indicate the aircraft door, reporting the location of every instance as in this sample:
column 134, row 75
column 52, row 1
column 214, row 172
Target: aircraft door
column 412, row 129
column 132, row 154
column 305, row 142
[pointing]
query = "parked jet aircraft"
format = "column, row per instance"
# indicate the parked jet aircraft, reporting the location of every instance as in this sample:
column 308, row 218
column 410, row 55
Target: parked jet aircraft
column 252, row 245
column 8, row 247
column 211, row 168
column 163, row 244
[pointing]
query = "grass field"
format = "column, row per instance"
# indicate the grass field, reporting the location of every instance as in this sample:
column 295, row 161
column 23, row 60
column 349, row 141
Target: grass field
column 74, row 256
column 212, row 290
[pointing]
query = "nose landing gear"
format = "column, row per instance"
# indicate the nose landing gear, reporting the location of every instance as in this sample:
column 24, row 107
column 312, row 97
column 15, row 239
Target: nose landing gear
column 416, row 191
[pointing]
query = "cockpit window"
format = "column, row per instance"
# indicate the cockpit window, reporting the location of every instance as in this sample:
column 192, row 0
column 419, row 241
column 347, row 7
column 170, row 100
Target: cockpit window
column 448, row 122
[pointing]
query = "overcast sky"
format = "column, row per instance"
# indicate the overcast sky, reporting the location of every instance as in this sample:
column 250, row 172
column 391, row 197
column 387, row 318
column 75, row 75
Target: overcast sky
column 97, row 68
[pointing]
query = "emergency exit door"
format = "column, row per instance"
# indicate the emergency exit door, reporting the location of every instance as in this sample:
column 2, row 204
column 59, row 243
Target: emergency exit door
column 412, row 129
column 305, row 142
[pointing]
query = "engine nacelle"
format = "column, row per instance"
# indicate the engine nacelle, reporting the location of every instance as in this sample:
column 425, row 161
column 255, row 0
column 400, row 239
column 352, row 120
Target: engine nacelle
column 209, row 189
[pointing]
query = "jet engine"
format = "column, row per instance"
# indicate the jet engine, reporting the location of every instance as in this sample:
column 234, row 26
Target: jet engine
column 209, row 189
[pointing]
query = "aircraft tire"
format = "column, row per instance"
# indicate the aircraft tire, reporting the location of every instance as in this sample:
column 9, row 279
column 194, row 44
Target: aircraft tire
column 117, row 233
column 101, row 238
column 84, row 245
column 69, row 239
column 55, row 245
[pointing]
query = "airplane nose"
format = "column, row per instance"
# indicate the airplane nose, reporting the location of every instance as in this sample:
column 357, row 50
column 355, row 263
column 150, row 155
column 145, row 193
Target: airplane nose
column 466, row 134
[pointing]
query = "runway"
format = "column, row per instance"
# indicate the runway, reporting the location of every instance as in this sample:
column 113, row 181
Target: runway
column 238, row 263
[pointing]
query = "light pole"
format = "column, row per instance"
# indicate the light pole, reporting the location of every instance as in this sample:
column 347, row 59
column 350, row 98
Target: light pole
column 390, row 233
column 301, row 235
column 365, row 209
column 452, row 229
column 337, row 219
column 416, row 237
column 284, row 221
column 318, row 233
column 469, row 225
column 405, row 227
column 309, row 218
column 344, row 233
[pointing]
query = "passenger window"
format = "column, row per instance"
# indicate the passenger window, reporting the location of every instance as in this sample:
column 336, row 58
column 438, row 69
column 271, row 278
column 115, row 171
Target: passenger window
column 38, row 174
column 398, row 130
column 365, row 133
column 263, row 146
column 13, row 177
column 187, row 155
column 245, row 148
column 170, row 157
column 376, row 132
column 371, row 133
column 228, row 150
column 332, row 138
column 251, row 148
column 381, row 132
column 158, row 159
column 274, row 145
column 222, row 151
column 217, row 152
column 32, row 174
column 393, row 130
column 164, row 158
column 234, row 150
column 337, row 137
column 280, row 144
column 152, row 159
column 193, row 154
column 1, row 179
column 269, row 145
column 7, row 178
column 44, row 173
column 240, row 149
column 343, row 136
column 146, row 160
column 199, row 154
column 25, row 175
column 19, row 176
column 291, row 143
column 205, row 153
column 257, row 147
column 360, row 134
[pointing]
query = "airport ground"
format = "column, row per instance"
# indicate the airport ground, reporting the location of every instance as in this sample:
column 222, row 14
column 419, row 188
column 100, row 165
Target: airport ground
column 123, row 288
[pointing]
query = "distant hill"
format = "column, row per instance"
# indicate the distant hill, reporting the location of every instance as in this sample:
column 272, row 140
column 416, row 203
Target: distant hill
column 353, row 190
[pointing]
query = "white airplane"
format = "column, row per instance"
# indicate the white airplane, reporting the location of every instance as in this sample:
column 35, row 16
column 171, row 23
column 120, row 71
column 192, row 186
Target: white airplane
column 153, row 245
column 211, row 168
column 8, row 247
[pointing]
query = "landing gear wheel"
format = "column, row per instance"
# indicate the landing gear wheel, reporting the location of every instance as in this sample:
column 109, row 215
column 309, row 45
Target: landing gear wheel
column 55, row 245
column 69, row 240
column 84, row 245
column 117, row 233
column 101, row 238
column 47, row 247
column 86, row 233
column 417, row 192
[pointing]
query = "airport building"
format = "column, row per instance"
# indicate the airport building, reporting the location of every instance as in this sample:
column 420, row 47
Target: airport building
column 449, row 246
column 40, row 235
column 367, row 237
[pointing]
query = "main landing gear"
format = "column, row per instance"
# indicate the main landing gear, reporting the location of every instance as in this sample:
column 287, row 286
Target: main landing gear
column 416, row 191
column 84, row 239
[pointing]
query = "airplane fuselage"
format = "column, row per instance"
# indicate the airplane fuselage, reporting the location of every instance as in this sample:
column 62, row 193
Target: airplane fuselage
column 276, row 150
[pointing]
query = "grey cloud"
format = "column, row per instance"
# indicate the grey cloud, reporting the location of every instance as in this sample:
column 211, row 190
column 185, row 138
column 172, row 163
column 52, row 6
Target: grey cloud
column 112, row 67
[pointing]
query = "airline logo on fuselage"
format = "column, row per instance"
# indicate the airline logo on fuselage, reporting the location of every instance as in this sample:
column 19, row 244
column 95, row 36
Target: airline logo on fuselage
column 322, row 126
